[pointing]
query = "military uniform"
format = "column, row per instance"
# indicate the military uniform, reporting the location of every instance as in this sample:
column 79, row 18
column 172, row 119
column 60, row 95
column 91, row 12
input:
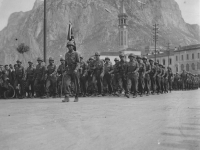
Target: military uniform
column 183, row 79
column 98, row 74
column 141, row 71
column 108, row 69
column 132, row 76
column 51, row 79
column 115, row 75
column 30, row 71
column 158, row 79
column 39, row 79
column 153, row 74
column 19, row 80
column 60, row 72
column 91, row 87
column 72, row 63
column 83, row 77
column 147, row 79
column 170, row 78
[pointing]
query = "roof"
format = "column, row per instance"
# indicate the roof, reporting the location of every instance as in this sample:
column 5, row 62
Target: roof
column 187, row 48
column 130, row 49
column 166, row 53
column 122, row 10
column 110, row 53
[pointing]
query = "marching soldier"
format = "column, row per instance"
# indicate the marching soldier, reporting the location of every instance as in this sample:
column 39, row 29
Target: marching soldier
column 132, row 76
column 170, row 78
column 115, row 75
column 141, row 71
column 19, row 80
column 147, row 76
column 91, row 88
column 72, row 63
column 121, row 68
column 153, row 74
column 60, row 72
column 83, row 76
column 98, row 73
column 165, row 80
column 51, row 78
column 158, row 77
column 39, row 78
column 30, row 71
column 183, row 79
column 161, row 78
column 108, row 69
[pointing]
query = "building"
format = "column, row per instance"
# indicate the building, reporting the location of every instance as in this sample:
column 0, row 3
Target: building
column 188, row 58
column 165, row 58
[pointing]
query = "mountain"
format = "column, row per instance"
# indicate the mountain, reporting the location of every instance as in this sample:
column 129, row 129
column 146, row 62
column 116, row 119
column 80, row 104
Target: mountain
column 95, row 25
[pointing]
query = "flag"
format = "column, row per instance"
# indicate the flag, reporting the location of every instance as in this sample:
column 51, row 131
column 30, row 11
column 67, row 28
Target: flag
column 70, row 36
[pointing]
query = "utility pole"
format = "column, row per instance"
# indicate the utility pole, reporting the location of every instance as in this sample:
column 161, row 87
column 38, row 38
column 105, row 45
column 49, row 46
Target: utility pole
column 155, row 36
column 168, row 49
column 45, row 31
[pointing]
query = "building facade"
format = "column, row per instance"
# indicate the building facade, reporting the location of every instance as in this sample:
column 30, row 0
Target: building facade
column 188, row 58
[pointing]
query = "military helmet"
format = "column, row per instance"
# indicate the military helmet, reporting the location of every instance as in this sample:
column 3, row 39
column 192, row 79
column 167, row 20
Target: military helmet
column 138, row 57
column 91, row 58
column 144, row 58
column 70, row 43
column 81, row 56
column 107, row 58
column 18, row 61
column 121, row 55
column 51, row 59
column 30, row 62
column 61, row 59
column 39, row 59
column 97, row 54
column 131, row 55
column 151, row 60
column 116, row 59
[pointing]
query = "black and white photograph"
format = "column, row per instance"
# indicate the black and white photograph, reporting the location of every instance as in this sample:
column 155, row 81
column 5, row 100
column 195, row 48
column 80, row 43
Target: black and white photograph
column 99, row 74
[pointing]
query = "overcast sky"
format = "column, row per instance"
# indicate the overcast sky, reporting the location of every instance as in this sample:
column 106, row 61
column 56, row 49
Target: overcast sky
column 190, row 9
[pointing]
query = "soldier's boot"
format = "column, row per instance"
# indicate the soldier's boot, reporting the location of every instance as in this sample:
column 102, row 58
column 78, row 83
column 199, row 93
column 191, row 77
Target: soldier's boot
column 127, row 95
column 66, row 99
column 135, row 95
column 76, row 98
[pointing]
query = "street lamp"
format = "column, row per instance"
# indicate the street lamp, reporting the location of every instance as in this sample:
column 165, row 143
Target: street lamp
column 45, row 23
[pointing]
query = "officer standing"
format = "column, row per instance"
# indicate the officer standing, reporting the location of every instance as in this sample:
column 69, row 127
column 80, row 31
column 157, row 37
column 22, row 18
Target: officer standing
column 30, row 71
column 98, row 73
column 132, row 75
column 108, row 69
column 60, row 71
column 39, row 78
column 183, row 79
column 115, row 77
column 83, row 76
column 141, row 71
column 19, row 80
column 51, row 78
column 72, row 63
column 153, row 74
column 147, row 79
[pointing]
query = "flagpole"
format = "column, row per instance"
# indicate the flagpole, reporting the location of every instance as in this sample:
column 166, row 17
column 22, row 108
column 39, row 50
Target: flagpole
column 45, row 23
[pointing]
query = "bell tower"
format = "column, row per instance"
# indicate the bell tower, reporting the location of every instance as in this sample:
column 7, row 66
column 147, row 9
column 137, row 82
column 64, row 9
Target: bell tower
column 123, row 27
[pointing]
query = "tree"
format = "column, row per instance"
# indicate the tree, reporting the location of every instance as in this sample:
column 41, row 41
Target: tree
column 22, row 48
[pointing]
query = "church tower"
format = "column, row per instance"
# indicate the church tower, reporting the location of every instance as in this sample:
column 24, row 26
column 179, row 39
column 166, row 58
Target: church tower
column 123, row 27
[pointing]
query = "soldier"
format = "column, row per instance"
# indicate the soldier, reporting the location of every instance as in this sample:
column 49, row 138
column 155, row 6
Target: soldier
column 30, row 71
column 19, row 80
column 158, row 77
column 91, row 88
column 83, row 76
column 60, row 72
column 147, row 76
column 39, row 78
column 98, row 73
column 51, row 78
column 183, row 79
column 108, row 69
column 72, row 63
column 161, row 78
column 12, row 75
column 165, row 80
column 153, row 74
column 141, row 71
column 170, row 78
column 132, row 76
column 115, row 75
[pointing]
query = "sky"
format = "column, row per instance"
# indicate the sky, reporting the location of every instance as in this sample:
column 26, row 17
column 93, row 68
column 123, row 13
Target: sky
column 190, row 9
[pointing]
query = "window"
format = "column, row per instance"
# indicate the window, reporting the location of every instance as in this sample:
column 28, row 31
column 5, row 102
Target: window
column 193, row 66
column 176, row 58
column 192, row 56
column 182, row 57
column 121, row 38
column 187, row 56
column 187, row 67
column 125, row 38
column 182, row 66
column 170, row 61
column 176, row 68
column 198, row 55
column 163, row 61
